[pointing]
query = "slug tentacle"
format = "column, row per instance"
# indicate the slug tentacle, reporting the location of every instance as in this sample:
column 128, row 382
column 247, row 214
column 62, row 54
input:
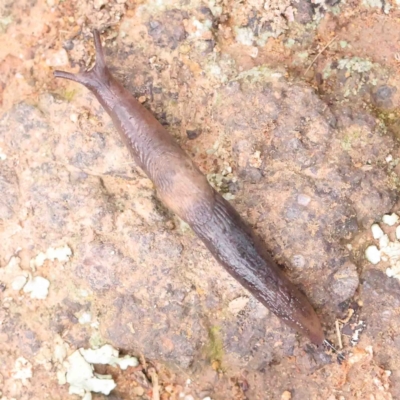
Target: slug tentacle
column 95, row 77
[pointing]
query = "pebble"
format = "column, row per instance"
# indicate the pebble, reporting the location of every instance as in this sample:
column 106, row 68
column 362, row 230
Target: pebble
column 57, row 58
column 398, row 232
column 38, row 287
column 19, row 282
column 390, row 219
column 377, row 231
column 253, row 52
column 238, row 304
column 286, row 395
column 138, row 391
column 298, row 261
column 345, row 282
column 303, row 199
column 384, row 242
column 373, row 255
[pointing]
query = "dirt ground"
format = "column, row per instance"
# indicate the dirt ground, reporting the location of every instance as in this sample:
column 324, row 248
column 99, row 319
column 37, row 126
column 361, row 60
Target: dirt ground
column 289, row 107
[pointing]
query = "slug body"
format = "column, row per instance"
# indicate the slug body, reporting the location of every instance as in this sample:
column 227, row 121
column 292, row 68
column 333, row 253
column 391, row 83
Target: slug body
column 185, row 190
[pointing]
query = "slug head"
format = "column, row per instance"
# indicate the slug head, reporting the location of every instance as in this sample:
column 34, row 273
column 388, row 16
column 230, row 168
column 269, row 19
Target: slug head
column 99, row 79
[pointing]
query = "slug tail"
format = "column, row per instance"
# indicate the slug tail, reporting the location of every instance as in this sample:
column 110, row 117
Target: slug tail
column 98, row 73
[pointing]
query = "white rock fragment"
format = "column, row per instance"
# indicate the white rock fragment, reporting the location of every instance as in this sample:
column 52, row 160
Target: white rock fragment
column 390, row 219
column 82, row 379
column 39, row 260
column 108, row 355
column 384, row 242
column 22, row 370
column 228, row 196
column 87, row 396
column 103, row 355
column 253, row 52
column 13, row 264
column 255, row 160
column 244, row 36
column 203, row 29
column 238, row 304
column 57, row 58
column 19, row 282
column 389, row 158
column 60, row 350
column 85, row 318
column 303, row 199
column 61, row 254
column 398, row 233
column 372, row 254
column 38, row 287
column 127, row 361
column 392, row 251
column 298, row 261
column 100, row 384
column 377, row 231
column 61, row 377
column 389, row 272
column 79, row 373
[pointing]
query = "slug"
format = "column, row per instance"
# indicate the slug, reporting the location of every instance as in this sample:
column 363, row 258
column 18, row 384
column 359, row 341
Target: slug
column 185, row 190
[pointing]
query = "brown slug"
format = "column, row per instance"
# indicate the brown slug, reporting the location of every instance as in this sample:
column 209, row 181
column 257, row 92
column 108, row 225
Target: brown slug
column 185, row 190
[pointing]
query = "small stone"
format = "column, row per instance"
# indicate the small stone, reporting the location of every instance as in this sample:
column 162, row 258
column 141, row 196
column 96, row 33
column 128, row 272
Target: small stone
column 85, row 318
column 142, row 99
column 298, row 261
column 345, row 282
column 61, row 377
column 384, row 242
column 228, row 196
column 373, row 255
column 193, row 133
column 253, row 52
column 255, row 159
column 38, row 287
column 389, row 158
column 57, row 58
column 377, row 231
column 22, row 370
column 68, row 45
column 97, row 4
column 138, row 391
column 238, row 304
column 286, row 395
column 398, row 232
column 303, row 199
column 383, row 96
column 390, row 219
column 19, row 282
column 390, row 273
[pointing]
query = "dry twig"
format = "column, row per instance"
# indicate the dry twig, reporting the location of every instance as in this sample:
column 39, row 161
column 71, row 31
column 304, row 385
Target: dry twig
column 316, row 57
